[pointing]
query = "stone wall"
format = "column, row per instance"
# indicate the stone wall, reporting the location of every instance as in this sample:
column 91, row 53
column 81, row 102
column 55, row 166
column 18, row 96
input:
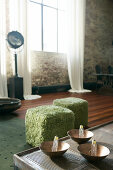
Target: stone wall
column 51, row 68
column 99, row 37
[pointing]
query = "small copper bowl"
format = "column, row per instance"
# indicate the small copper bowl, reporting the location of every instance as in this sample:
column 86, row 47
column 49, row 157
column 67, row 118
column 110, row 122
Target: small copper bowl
column 85, row 151
column 46, row 147
column 74, row 135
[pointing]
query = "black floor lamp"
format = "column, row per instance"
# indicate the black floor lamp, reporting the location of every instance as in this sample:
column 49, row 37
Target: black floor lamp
column 15, row 41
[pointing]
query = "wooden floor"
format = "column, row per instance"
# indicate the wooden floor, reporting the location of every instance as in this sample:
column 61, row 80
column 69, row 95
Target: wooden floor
column 100, row 107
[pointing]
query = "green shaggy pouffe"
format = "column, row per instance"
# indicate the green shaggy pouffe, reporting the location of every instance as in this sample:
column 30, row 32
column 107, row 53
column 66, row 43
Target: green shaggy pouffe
column 44, row 122
column 79, row 108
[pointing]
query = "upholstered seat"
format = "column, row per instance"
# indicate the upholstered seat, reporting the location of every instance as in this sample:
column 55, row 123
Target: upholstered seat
column 44, row 122
column 79, row 108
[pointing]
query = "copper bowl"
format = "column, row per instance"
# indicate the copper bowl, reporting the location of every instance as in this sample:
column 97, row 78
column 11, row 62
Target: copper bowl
column 85, row 151
column 46, row 148
column 74, row 135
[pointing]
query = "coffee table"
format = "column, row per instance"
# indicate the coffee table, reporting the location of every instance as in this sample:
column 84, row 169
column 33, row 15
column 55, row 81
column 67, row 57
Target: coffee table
column 72, row 160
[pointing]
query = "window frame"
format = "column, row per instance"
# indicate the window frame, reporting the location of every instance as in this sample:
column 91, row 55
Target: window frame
column 42, row 24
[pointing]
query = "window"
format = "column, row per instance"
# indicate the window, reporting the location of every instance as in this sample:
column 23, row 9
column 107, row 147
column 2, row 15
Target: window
column 47, row 25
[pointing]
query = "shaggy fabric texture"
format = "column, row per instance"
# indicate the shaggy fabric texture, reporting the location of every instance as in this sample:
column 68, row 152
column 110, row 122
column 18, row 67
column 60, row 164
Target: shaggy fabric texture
column 44, row 122
column 79, row 108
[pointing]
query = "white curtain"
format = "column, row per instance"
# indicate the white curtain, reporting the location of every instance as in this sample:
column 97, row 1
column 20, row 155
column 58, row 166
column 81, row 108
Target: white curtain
column 18, row 13
column 3, row 77
column 13, row 17
column 75, row 43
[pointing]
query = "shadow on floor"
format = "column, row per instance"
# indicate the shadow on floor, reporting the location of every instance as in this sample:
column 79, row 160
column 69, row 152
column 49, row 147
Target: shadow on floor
column 8, row 116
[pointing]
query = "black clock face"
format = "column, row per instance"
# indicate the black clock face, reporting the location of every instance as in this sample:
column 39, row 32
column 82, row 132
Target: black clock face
column 15, row 39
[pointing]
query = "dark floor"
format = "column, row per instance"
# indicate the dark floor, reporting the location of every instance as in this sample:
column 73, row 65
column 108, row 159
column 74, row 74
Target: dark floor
column 100, row 107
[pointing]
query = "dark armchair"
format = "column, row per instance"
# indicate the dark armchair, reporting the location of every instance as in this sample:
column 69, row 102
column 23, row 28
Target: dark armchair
column 99, row 81
column 110, row 71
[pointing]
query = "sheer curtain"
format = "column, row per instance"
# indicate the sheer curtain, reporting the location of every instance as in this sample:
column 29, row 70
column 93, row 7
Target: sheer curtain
column 3, row 77
column 18, row 21
column 14, row 17
column 75, row 46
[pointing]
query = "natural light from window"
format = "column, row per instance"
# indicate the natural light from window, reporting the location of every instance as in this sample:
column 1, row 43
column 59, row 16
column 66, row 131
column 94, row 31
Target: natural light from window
column 35, row 26
column 47, row 25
